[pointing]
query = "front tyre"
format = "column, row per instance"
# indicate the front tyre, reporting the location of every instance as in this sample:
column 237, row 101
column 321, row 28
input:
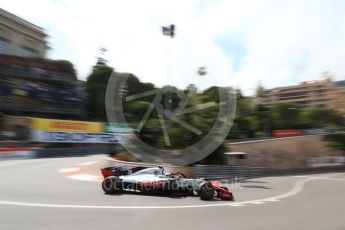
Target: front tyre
column 206, row 191
column 111, row 185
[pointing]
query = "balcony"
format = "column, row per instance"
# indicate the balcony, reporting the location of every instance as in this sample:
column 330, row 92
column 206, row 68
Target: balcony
column 12, row 105
column 48, row 76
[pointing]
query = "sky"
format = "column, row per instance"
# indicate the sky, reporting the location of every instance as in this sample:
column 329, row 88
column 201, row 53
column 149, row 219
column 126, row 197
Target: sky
column 241, row 43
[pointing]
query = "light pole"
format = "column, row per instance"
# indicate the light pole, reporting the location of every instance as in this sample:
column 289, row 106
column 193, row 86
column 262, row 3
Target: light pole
column 170, row 32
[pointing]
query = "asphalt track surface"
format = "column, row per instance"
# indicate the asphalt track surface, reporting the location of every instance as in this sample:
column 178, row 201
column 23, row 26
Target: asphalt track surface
column 34, row 195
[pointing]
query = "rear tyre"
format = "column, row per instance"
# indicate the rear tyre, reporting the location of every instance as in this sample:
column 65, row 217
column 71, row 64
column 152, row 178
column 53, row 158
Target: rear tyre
column 174, row 188
column 180, row 175
column 111, row 185
column 206, row 191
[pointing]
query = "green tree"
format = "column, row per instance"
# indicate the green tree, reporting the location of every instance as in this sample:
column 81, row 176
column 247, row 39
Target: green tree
column 63, row 65
column 264, row 119
column 96, row 86
column 260, row 90
column 95, row 89
column 244, row 106
column 212, row 94
column 239, row 94
column 285, row 115
column 321, row 118
column 201, row 119
column 66, row 66
column 216, row 157
column 337, row 141
column 134, row 86
column 180, row 137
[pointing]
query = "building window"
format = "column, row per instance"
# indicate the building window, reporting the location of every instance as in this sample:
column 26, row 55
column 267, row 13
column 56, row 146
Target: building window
column 4, row 45
column 28, row 52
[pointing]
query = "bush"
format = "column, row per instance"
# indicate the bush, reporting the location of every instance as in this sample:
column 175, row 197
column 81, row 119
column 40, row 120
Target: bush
column 336, row 140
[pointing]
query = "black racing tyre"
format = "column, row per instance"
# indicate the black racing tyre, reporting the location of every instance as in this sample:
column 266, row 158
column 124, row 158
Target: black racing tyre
column 111, row 185
column 174, row 188
column 206, row 191
column 181, row 175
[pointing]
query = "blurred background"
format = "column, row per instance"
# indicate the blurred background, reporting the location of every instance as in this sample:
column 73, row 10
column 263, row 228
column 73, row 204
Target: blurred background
column 47, row 109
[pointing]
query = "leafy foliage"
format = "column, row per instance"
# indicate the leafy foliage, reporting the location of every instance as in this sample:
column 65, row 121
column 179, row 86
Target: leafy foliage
column 321, row 117
column 336, row 140
column 285, row 115
column 95, row 88
column 252, row 118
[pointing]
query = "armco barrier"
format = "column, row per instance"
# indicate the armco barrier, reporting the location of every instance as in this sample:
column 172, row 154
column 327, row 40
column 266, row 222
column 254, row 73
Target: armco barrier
column 231, row 172
column 207, row 171
column 225, row 171
column 27, row 153
column 16, row 153
column 66, row 152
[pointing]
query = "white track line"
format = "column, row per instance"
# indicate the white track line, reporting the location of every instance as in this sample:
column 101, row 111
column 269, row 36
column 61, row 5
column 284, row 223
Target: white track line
column 70, row 170
column 85, row 177
column 322, row 178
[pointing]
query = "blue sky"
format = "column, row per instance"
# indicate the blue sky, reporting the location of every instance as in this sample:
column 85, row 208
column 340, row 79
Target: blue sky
column 232, row 48
column 240, row 42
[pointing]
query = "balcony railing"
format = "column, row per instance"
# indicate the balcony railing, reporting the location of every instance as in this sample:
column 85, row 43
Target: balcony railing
column 46, row 76
column 7, row 104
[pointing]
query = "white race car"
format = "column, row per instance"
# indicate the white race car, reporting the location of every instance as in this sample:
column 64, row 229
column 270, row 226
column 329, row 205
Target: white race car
column 154, row 180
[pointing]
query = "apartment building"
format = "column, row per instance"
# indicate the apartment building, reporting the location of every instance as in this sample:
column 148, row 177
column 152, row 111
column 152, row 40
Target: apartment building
column 19, row 37
column 310, row 94
column 30, row 84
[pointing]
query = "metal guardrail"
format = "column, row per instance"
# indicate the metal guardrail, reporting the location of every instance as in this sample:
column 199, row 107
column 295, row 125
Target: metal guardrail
column 232, row 172
column 197, row 171
column 225, row 171
column 306, row 133
column 66, row 152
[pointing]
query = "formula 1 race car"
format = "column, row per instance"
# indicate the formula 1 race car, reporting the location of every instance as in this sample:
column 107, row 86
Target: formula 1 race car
column 155, row 181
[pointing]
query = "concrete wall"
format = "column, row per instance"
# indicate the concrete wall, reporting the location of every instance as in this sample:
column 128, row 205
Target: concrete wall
column 281, row 153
